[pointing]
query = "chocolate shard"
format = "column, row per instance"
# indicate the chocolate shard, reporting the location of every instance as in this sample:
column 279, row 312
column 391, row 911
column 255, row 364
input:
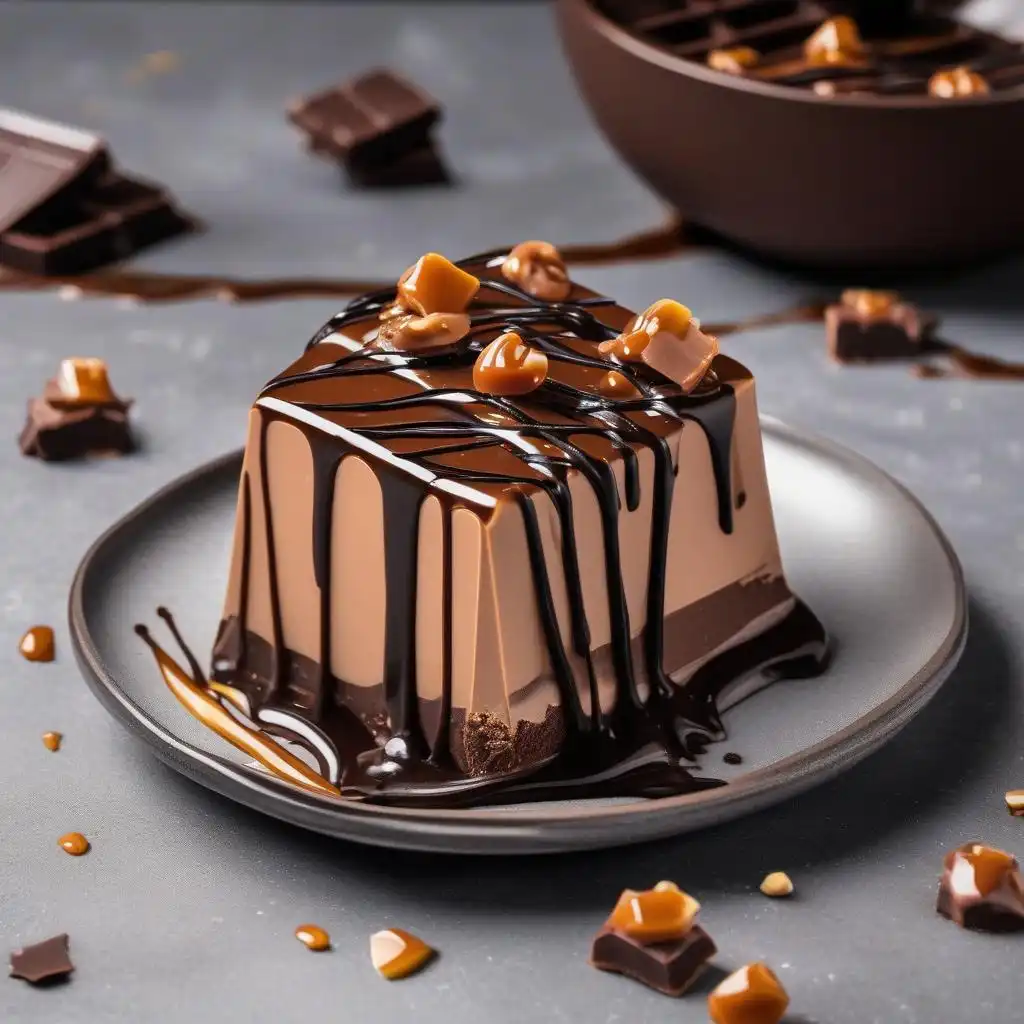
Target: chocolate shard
column 668, row 967
column 418, row 167
column 44, row 166
column 373, row 119
column 865, row 326
column 114, row 220
column 44, row 961
column 981, row 889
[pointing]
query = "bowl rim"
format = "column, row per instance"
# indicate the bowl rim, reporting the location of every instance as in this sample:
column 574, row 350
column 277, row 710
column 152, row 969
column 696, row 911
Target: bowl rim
column 656, row 55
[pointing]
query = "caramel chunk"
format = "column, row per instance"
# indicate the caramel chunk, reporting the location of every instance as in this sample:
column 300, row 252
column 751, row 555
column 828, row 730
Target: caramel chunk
column 313, row 937
column 538, row 268
column 778, row 883
column 955, row 83
column 74, row 843
column 435, row 285
column 981, row 888
column 52, row 740
column 1015, row 802
column 734, row 60
column 37, row 644
column 396, row 954
column 835, row 42
column 83, row 381
column 869, row 302
column 667, row 338
column 411, row 333
column 657, row 915
column 751, row 995
column 508, row 366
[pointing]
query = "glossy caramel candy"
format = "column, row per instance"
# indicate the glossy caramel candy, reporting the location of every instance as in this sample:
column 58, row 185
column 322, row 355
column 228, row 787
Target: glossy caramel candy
column 538, row 268
column 751, row 995
column 835, row 43
column 957, row 83
column 735, row 60
column 981, row 889
column 657, row 915
column 508, row 366
column 396, row 954
column 434, row 284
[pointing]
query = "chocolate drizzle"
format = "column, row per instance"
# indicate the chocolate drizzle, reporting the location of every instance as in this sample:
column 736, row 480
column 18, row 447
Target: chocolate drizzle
column 468, row 449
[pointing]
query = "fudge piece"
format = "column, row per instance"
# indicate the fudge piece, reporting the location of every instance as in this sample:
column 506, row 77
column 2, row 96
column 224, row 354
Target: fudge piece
column 867, row 325
column 462, row 562
column 981, row 888
column 78, row 414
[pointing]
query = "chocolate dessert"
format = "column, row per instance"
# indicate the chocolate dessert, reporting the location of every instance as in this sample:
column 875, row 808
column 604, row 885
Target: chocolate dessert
column 500, row 538
column 869, row 325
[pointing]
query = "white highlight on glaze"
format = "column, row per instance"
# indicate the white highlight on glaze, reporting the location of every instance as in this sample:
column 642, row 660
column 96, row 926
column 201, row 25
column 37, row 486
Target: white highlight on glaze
column 309, row 732
column 47, row 131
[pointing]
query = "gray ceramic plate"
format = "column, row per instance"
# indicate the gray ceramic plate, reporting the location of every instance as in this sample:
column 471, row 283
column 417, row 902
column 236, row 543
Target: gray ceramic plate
column 857, row 547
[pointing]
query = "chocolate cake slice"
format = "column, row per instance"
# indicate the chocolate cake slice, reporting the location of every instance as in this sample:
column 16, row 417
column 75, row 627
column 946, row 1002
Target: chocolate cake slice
column 499, row 538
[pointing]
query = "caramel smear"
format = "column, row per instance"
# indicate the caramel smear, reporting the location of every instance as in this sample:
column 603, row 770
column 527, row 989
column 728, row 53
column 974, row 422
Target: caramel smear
column 735, row 60
column 84, row 381
column 508, row 366
column 1015, row 802
column 208, row 710
column 751, row 995
column 74, row 843
column 396, row 954
column 37, row 644
column 538, row 268
column 313, row 937
column 52, row 740
column 956, row 83
column 657, row 915
column 411, row 333
column 835, row 43
column 777, row 884
column 434, row 284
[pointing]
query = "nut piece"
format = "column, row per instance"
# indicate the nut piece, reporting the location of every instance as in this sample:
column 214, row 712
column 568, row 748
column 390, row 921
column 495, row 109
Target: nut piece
column 83, row 381
column 508, row 366
column 835, row 43
column 751, row 995
column 37, row 644
column 396, row 954
column 538, row 268
column 435, row 285
column 313, row 937
column 869, row 302
column 416, row 334
column 1015, row 802
column 981, row 888
column 614, row 385
column 955, row 83
column 778, row 883
column 74, row 843
column 658, row 915
column 735, row 60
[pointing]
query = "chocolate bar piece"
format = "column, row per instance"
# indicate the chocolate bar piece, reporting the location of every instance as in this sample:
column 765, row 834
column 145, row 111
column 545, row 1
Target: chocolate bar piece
column 116, row 219
column 422, row 166
column 44, row 961
column 78, row 414
column 868, row 325
column 981, row 889
column 668, row 967
column 44, row 165
column 370, row 120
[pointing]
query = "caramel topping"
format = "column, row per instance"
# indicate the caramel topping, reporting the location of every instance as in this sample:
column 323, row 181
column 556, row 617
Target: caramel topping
column 955, row 83
column 84, row 382
column 735, row 60
column 313, row 937
column 51, row 740
column 396, row 954
column 1015, row 802
column 435, row 285
column 751, row 995
column 835, row 42
column 665, row 315
column 508, row 366
column 538, row 268
column 657, row 915
column 869, row 302
column 614, row 385
column 981, row 868
column 777, row 884
column 37, row 644
column 74, row 843
column 411, row 333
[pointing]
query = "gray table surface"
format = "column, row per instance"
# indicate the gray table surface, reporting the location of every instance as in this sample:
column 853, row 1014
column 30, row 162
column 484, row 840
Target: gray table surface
column 184, row 909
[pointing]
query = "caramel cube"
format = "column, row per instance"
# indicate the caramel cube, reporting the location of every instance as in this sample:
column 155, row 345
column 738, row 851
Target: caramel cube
column 434, row 284
column 84, row 381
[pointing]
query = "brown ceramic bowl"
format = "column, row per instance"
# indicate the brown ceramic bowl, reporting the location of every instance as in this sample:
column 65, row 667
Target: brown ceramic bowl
column 862, row 181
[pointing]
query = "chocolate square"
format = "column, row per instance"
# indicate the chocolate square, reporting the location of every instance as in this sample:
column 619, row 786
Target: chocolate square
column 902, row 332
column 668, row 967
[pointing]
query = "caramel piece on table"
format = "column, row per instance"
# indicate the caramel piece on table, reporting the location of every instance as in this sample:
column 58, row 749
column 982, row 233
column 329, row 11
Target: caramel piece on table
column 956, row 83
column 313, row 937
column 751, row 995
column 37, row 644
column 396, row 953
column 508, row 366
column 52, row 741
column 74, row 843
column 434, row 284
column 836, row 42
column 538, row 268
column 777, row 884
column 1015, row 802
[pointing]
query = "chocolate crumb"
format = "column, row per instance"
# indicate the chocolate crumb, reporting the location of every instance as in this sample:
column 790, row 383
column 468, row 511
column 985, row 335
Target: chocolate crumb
column 45, row 961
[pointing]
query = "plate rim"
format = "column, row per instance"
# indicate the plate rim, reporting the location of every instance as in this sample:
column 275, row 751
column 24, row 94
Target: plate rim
column 529, row 829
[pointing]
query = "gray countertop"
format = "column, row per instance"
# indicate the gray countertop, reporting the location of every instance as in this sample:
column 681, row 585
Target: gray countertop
column 185, row 907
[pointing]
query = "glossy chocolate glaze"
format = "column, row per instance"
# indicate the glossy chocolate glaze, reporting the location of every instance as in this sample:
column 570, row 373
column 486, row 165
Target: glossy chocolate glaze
column 507, row 448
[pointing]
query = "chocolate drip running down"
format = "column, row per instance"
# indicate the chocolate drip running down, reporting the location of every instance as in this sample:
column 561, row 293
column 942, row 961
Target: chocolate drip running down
column 459, row 446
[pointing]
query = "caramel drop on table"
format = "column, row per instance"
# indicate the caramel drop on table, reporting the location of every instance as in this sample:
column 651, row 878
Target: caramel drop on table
column 74, row 843
column 313, row 937
column 37, row 644
column 396, row 953
column 51, row 740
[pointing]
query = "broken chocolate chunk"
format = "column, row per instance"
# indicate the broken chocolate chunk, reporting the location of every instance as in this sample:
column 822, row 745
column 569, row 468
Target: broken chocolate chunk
column 981, row 889
column 668, row 967
column 871, row 325
column 44, row 961
column 78, row 414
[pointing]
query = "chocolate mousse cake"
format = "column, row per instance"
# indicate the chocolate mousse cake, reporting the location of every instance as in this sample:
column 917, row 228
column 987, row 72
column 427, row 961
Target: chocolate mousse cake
column 499, row 538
